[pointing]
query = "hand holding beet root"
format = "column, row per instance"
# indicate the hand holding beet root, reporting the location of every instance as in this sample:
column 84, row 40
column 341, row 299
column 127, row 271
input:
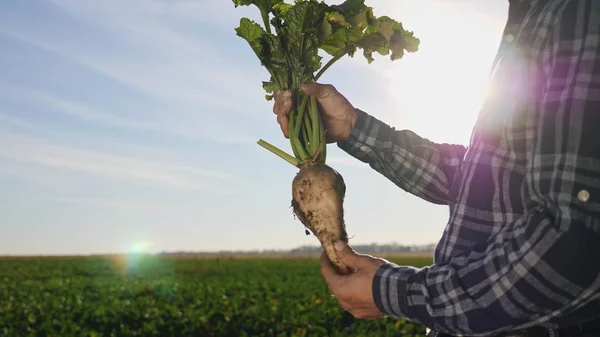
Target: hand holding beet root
column 353, row 290
column 337, row 113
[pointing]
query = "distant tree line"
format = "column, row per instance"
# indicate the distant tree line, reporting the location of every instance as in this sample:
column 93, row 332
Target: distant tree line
column 372, row 248
column 316, row 249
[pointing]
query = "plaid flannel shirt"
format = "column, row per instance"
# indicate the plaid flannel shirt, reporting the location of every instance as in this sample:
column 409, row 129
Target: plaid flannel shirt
column 522, row 244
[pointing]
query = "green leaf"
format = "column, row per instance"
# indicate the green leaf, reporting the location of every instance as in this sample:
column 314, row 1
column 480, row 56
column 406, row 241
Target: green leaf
column 253, row 33
column 374, row 42
column 267, row 48
column 298, row 33
column 337, row 18
column 266, row 6
column 386, row 26
column 411, row 43
column 334, row 43
column 242, row 2
column 402, row 41
column 363, row 19
column 270, row 86
column 281, row 8
column 350, row 8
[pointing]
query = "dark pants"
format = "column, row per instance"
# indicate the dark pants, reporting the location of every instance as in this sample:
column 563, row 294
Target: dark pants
column 590, row 329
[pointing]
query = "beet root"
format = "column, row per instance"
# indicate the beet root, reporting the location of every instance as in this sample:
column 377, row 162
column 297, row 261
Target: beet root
column 318, row 197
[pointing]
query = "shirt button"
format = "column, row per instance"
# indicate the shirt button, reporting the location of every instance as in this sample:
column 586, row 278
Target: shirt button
column 583, row 195
column 509, row 38
column 364, row 148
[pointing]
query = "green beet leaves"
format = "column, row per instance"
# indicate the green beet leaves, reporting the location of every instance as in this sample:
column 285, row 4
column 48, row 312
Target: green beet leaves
column 288, row 44
column 291, row 35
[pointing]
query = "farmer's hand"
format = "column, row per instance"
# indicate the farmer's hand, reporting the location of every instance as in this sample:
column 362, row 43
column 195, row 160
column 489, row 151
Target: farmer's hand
column 337, row 112
column 353, row 291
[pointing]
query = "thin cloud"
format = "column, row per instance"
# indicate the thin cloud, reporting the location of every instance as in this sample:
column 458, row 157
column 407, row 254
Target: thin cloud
column 126, row 205
column 134, row 43
column 40, row 176
column 24, row 149
column 189, row 128
column 175, row 81
column 6, row 119
column 71, row 108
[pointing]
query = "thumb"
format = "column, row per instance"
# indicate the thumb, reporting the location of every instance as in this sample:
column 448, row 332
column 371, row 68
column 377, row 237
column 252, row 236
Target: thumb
column 318, row 90
column 347, row 255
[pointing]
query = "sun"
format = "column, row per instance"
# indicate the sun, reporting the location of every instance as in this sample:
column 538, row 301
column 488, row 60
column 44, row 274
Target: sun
column 438, row 91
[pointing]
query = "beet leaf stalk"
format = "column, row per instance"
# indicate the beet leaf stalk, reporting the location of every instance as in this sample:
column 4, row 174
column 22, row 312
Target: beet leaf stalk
column 288, row 45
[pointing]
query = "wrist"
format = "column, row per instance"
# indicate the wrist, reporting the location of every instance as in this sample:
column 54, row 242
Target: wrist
column 390, row 290
column 351, row 118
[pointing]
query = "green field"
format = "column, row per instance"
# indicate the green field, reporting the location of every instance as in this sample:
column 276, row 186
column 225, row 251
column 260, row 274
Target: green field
column 167, row 296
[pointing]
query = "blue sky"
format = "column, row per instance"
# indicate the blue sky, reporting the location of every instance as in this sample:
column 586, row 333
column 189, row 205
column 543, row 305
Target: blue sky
column 130, row 124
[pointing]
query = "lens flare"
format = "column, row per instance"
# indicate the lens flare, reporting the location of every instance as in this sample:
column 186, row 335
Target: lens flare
column 129, row 261
column 139, row 247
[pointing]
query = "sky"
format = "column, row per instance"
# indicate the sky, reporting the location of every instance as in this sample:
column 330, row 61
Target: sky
column 131, row 125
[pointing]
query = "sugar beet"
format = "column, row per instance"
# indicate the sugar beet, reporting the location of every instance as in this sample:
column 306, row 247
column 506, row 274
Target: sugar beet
column 318, row 197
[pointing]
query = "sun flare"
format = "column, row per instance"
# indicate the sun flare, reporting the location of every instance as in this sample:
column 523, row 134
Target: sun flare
column 439, row 90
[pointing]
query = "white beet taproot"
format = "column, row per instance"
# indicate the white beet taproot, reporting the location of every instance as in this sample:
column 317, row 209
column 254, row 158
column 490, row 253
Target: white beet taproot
column 318, row 193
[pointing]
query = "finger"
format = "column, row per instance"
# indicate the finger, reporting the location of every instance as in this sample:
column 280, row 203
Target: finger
column 347, row 255
column 319, row 90
column 283, row 102
column 283, row 123
column 276, row 100
column 329, row 272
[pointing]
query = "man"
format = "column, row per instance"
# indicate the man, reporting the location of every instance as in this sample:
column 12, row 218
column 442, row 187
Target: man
column 520, row 255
